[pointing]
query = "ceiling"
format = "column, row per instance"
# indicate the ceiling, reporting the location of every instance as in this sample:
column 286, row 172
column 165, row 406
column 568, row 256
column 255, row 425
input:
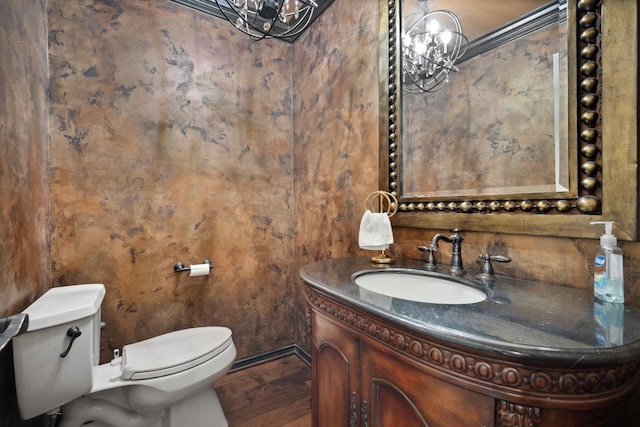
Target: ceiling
column 478, row 18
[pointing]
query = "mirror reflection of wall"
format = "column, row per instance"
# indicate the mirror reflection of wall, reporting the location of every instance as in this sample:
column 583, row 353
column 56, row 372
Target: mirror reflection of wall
column 498, row 127
column 601, row 37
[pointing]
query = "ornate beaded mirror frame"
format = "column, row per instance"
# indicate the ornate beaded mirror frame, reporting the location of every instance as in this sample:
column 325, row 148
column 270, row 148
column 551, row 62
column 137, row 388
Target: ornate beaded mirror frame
column 602, row 125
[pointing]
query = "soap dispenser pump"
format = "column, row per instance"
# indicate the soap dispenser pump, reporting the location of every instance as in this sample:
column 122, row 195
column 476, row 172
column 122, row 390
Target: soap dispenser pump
column 608, row 275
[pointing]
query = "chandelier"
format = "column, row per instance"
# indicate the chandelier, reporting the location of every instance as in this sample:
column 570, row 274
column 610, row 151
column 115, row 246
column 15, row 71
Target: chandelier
column 431, row 45
column 262, row 19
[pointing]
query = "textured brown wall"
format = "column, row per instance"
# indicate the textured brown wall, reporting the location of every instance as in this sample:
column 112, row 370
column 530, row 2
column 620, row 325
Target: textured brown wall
column 24, row 191
column 335, row 133
column 171, row 141
column 24, row 183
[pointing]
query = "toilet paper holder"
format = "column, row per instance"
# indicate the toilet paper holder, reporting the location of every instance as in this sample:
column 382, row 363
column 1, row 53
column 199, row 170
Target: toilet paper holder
column 179, row 267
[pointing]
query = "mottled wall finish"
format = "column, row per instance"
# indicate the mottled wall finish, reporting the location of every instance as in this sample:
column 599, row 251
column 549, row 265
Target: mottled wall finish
column 466, row 140
column 335, row 133
column 171, row 141
column 24, row 253
column 24, row 188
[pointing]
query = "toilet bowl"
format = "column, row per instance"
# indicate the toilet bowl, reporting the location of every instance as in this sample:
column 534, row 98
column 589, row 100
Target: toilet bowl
column 165, row 381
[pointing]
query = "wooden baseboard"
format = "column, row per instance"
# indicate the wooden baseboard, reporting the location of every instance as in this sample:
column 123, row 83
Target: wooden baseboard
column 272, row 355
column 302, row 354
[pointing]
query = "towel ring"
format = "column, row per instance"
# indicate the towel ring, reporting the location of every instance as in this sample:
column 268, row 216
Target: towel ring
column 390, row 208
column 382, row 196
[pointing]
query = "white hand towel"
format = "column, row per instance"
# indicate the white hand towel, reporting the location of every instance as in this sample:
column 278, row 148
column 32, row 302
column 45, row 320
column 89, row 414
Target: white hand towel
column 375, row 231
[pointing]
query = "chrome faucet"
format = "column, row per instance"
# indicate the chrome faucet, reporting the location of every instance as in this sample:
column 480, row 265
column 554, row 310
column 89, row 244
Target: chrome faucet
column 455, row 239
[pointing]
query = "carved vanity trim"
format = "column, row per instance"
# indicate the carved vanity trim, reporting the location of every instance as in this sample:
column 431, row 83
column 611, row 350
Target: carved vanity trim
column 512, row 415
column 507, row 380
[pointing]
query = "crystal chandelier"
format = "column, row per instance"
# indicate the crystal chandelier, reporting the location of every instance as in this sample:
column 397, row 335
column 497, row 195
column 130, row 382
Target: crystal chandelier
column 262, row 19
column 431, row 45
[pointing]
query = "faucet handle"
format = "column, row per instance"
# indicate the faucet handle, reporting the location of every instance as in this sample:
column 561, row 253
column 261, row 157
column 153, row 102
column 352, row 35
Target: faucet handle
column 431, row 259
column 487, row 268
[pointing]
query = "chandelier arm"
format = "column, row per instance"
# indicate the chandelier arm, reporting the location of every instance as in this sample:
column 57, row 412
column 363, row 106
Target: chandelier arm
column 299, row 22
column 273, row 20
column 237, row 15
column 438, row 64
column 310, row 3
column 254, row 27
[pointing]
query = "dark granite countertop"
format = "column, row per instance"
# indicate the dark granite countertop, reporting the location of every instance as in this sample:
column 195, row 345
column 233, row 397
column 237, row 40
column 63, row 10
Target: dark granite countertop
column 523, row 320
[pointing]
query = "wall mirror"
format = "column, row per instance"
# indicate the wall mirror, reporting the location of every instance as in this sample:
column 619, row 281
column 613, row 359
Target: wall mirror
column 522, row 138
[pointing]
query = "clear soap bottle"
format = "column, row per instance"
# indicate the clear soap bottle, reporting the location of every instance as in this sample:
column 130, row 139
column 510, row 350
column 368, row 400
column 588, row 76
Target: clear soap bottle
column 609, row 319
column 608, row 269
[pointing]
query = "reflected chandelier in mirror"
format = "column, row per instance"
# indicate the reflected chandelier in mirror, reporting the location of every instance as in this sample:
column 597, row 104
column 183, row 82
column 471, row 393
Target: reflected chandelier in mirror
column 591, row 188
column 431, row 45
column 502, row 116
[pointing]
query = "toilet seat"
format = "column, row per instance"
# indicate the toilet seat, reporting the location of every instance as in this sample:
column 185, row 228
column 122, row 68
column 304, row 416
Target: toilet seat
column 173, row 352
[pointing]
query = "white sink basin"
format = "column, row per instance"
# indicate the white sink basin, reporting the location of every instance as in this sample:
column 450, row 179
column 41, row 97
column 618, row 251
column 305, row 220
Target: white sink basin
column 419, row 287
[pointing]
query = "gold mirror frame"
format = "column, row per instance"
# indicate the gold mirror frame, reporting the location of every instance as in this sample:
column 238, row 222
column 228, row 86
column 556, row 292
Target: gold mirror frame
column 603, row 131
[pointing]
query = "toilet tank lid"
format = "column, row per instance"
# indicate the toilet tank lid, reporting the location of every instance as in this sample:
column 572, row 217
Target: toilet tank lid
column 65, row 304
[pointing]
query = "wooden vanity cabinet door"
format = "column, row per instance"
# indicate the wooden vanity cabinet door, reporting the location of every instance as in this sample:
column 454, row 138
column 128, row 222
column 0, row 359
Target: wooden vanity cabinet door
column 335, row 375
column 396, row 394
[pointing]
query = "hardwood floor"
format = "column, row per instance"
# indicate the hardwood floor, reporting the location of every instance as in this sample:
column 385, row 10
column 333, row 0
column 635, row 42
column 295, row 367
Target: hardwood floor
column 276, row 393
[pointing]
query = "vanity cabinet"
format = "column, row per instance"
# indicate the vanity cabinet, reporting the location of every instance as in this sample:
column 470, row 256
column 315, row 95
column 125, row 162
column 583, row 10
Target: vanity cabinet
column 522, row 358
column 358, row 383
column 335, row 375
column 398, row 394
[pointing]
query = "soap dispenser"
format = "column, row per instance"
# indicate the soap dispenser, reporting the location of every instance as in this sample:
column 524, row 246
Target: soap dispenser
column 609, row 320
column 608, row 276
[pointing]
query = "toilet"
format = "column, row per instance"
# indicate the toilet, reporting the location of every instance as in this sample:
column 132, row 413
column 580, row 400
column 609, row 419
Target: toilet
column 165, row 381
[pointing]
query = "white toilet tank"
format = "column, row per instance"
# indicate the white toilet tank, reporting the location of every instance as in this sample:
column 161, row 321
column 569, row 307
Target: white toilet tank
column 45, row 379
